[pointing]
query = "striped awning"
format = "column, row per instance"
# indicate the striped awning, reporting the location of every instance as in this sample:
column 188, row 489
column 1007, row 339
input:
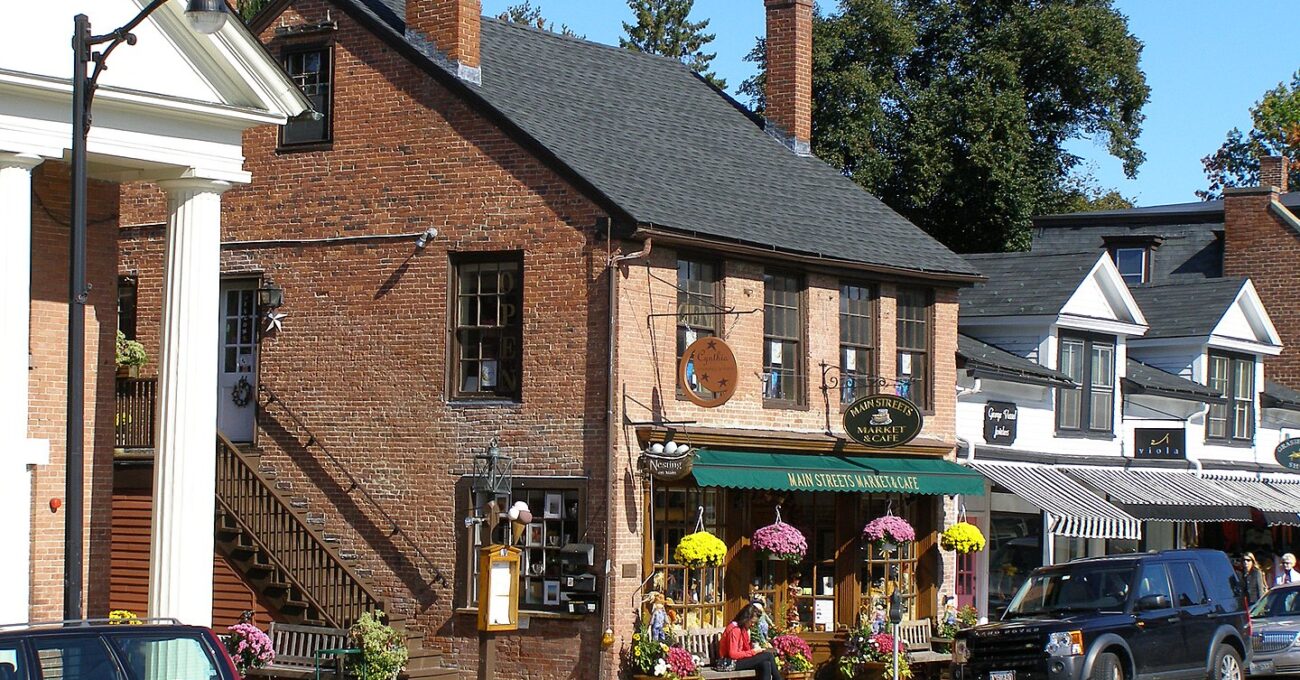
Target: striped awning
column 1275, row 504
column 1072, row 510
column 1163, row 495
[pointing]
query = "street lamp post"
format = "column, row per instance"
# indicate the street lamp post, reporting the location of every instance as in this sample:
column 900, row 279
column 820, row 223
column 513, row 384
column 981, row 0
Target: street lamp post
column 205, row 16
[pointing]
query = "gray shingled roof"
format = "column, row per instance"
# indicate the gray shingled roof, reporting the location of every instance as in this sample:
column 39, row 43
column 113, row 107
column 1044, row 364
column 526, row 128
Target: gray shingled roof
column 1022, row 284
column 1185, row 308
column 1280, row 396
column 1186, row 251
column 998, row 363
column 1142, row 378
column 1207, row 209
column 676, row 154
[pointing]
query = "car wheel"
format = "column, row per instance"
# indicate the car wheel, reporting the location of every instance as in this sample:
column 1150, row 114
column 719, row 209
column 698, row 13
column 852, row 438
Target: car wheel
column 1227, row 664
column 1108, row 667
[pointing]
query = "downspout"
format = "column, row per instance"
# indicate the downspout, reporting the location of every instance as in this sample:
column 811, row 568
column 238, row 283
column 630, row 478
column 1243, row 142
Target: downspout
column 612, row 266
column 970, row 449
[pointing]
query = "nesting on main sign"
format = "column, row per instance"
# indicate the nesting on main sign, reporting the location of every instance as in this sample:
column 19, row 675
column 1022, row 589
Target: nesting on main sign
column 882, row 421
column 708, row 372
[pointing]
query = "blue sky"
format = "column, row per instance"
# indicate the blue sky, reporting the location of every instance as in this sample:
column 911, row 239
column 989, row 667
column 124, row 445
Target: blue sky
column 1206, row 61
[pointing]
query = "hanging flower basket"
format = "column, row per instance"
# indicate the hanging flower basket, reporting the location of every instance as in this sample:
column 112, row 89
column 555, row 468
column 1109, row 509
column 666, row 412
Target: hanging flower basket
column 888, row 532
column 962, row 537
column 700, row 549
column 782, row 541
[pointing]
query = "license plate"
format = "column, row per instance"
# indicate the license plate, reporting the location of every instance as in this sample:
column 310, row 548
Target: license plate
column 1002, row 675
column 1262, row 667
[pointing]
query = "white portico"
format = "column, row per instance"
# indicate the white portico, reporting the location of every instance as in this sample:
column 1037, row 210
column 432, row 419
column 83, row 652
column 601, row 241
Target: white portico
column 172, row 109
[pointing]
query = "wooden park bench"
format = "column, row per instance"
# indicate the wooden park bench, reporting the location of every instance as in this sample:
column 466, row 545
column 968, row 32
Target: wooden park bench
column 917, row 637
column 703, row 642
column 295, row 650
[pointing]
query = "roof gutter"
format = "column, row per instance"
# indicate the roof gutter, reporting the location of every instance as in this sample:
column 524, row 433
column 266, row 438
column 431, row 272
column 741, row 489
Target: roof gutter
column 978, row 370
column 1133, row 388
column 647, row 231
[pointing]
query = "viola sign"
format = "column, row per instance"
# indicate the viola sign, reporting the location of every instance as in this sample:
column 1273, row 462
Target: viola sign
column 1288, row 453
column 882, row 421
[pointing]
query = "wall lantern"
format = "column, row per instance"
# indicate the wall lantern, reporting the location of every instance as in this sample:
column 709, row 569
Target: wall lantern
column 270, row 296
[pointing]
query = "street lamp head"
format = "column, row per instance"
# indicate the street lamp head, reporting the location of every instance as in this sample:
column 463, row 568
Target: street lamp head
column 206, row 16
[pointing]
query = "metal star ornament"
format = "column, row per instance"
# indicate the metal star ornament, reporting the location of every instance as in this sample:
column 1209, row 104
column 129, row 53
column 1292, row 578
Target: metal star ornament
column 274, row 321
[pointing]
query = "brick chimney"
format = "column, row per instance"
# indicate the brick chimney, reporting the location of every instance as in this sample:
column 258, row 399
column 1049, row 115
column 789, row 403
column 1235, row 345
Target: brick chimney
column 447, row 31
column 1261, row 240
column 789, row 72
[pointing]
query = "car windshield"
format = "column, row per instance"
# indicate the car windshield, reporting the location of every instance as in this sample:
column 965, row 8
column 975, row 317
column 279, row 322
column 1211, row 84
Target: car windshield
column 1079, row 588
column 1279, row 603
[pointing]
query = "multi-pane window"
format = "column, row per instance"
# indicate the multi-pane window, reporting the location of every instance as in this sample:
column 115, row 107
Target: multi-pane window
column 1090, row 362
column 857, row 341
column 696, row 594
column 1233, row 376
column 782, row 337
column 913, row 379
column 126, row 306
column 697, row 308
column 557, row 522
column 309, row 69
column 488, row 321
column 1131, row 263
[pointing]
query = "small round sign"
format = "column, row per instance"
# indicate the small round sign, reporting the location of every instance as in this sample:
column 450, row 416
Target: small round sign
column 708, row 372
column 882, row 421
column 1288, row 453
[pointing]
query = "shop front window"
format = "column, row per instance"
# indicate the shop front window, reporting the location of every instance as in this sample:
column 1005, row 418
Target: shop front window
column 884, row 572
column 695, row 594
column 1015, row 547
column 813, row 581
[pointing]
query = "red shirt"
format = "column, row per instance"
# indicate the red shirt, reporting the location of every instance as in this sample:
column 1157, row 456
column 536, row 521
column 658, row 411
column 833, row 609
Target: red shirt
column 735, row 643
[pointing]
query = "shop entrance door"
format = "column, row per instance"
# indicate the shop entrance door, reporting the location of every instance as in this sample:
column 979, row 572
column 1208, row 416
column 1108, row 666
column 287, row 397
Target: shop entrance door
column 237, row 360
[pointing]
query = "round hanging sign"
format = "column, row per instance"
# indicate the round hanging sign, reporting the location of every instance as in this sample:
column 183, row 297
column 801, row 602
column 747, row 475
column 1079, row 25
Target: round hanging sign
column 882, row 421
column 1288, row 453
column 708, row 372
column 669, row 468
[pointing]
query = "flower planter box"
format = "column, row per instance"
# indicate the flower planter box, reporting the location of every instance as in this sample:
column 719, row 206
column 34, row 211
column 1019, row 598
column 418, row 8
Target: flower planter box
column 868, row 671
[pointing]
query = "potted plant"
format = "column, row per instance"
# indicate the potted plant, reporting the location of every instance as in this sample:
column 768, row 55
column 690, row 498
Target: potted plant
column 249, row 647
column 870, row 656
column 653, row 658
column 383, row 648
column 700, row 549
column 888, row 532
column 130, row 356
column 962, row 537
column 781, row 541
column 793, row 655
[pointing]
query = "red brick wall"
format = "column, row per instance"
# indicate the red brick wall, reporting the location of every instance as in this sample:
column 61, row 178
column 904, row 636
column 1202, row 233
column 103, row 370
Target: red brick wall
column 789, row 66
column 1260, row 245
column 363, row 354
column 49, row 346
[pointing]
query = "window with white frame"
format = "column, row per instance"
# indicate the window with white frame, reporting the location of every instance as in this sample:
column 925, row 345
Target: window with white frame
column 1233, row 376
column 1089, row 361
column 1132, row 263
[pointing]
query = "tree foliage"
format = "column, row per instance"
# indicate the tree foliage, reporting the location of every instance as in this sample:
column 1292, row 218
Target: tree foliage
column 526, row 13
column 663, row 27
column 248, row 9
column 1275, row 132
column 956, row 112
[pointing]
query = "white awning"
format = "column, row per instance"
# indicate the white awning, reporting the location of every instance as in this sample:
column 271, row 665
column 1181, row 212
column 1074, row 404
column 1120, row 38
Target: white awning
column 1072, row 509
column 1277, row 506
column 1163, row 495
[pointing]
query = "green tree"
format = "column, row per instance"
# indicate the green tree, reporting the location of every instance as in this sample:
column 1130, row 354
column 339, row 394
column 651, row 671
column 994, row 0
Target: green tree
column 528, row 14
column 956, row 112
column 1275, row 132
column 662, row 27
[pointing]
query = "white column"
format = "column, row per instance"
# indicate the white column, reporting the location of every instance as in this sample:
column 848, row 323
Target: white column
column 16, row 450
column 180, row 555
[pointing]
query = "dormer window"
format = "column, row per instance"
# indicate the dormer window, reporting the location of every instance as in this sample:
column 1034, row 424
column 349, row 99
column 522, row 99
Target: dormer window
column 1232, row 375
column 1089, row 361
column 1132, row 264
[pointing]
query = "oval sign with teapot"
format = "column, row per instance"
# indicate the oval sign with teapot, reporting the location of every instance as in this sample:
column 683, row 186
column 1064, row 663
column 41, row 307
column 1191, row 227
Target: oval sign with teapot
column 882, row 421
column 708, row 372
column 1288, row 453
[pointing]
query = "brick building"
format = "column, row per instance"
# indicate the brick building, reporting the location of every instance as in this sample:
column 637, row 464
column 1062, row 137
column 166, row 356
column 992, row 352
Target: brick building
column 500, row 240
column 173, row 111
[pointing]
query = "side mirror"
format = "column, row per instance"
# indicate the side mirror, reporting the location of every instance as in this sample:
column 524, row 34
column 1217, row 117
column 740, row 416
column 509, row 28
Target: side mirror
column 1151, row 602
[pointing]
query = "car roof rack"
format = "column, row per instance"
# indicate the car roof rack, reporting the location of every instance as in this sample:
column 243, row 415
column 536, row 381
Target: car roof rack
column 76, row 623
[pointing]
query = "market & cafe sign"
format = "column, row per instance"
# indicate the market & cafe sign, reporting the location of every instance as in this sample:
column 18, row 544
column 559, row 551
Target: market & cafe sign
column 821, row 481
column 882, row 421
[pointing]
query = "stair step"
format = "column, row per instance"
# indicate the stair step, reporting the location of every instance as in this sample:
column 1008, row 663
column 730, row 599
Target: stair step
column 276, row 587
column 330, row 538
column 283, row 485
column 364, row 572
column 246, row 550
column 316, row 518
column 258, row 570
column 298, row 503
column 266, row 470
column 226, row 533
column 297, row 605
column 349, row 555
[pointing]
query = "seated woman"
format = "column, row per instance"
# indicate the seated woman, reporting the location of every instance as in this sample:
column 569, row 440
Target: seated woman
column 735, row 645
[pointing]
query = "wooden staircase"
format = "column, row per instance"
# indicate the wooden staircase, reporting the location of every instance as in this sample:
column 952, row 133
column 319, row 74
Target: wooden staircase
column 284, row 551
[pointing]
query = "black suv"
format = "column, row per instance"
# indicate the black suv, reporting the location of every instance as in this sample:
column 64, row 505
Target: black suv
column 85, row 650
column 1171, row 614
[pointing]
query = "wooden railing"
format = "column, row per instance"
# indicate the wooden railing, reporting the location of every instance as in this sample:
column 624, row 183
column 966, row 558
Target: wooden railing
column 291, row 547
column 134, row 416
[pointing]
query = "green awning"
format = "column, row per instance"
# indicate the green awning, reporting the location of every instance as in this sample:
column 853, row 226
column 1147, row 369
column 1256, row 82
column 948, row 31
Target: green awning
column 854, row 474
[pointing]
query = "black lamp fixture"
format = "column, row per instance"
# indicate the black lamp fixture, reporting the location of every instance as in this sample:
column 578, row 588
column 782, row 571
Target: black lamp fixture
column 204, row 16
column 269, row 295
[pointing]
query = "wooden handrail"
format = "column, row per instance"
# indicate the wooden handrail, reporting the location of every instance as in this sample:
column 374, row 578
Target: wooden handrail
column 303, row 558
column 133, row 417
column 353, row 481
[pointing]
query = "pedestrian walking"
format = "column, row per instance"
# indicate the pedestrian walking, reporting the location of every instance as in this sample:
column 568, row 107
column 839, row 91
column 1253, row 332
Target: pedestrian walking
column 1289, row 574
column 1256, row 584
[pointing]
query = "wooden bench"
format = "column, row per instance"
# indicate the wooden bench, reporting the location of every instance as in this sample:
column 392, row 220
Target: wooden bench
column 917, row 637
column 703, row 642
column 295, row 650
